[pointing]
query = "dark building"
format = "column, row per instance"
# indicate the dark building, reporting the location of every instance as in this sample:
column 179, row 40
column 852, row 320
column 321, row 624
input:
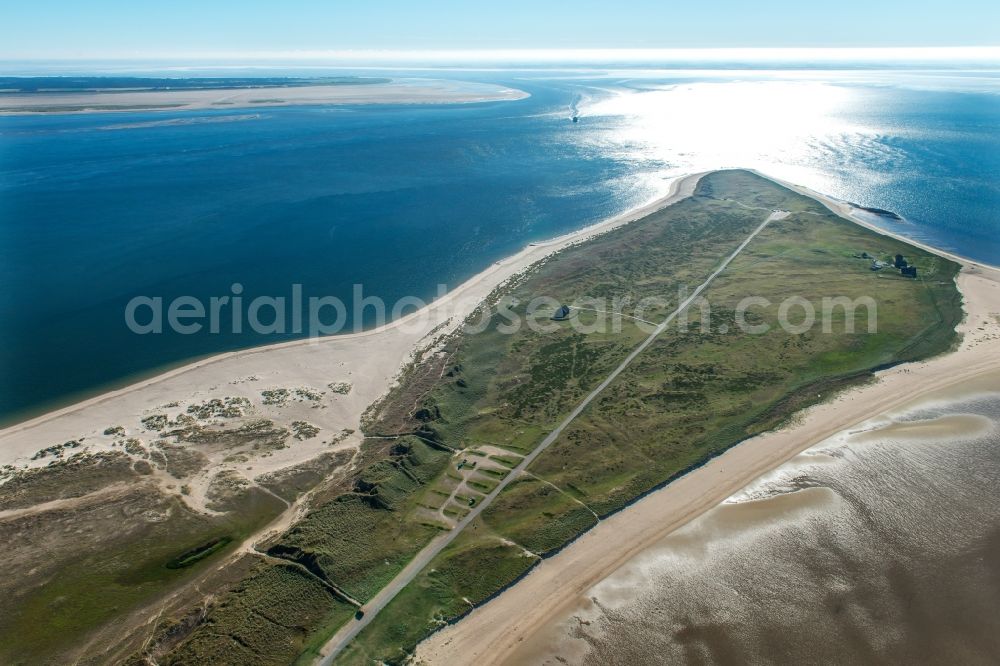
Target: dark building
column 561, row 313
column 900, row 261
column 909, row 271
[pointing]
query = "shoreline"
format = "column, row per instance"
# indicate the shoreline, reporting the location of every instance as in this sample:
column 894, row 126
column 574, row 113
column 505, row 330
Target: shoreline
column 759, row 507
column 401, row 340
column 511, row 625
column 846, row 210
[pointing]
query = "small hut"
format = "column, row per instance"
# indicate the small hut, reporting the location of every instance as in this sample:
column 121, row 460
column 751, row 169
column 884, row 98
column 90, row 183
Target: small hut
column 561, row 313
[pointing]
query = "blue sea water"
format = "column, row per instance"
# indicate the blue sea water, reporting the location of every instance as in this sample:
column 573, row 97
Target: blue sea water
column 98, row 208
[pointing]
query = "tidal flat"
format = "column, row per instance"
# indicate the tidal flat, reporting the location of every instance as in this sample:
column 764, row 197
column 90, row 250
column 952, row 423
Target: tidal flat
column 878, row 545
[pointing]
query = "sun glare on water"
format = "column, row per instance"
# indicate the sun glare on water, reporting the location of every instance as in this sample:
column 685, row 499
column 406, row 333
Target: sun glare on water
column 776, row 126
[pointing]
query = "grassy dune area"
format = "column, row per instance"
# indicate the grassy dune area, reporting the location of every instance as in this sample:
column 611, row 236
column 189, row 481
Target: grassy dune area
column 266, row 618
column 359, row 540
column 94, row 541
column 111, row 544
column 465, row 415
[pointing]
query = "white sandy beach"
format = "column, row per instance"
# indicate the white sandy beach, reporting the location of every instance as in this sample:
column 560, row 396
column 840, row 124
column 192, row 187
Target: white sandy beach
column 516, row 625
column 403, row 91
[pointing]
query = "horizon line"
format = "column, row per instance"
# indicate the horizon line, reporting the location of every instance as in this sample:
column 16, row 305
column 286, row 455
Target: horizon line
column 549, row 55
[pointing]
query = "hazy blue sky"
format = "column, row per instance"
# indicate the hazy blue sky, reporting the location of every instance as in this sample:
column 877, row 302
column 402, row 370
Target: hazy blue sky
column 95, row 28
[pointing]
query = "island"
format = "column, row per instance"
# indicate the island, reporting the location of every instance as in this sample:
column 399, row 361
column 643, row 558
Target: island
column 41, row 95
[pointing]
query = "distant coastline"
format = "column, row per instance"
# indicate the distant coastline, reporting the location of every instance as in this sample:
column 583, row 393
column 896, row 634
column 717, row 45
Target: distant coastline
column 65, row 95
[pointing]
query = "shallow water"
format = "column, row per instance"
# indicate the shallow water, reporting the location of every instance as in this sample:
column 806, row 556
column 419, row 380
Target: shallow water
column 881, row 546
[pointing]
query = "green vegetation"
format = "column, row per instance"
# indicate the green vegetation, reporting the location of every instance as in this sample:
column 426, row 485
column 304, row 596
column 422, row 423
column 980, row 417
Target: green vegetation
column 65, row 478
column 691, row 394
column 269, row 618
column 538, row 516
column 355, row 542
column 361, row 539
column 493, row 396
column 127, row 549
column 510, row 390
